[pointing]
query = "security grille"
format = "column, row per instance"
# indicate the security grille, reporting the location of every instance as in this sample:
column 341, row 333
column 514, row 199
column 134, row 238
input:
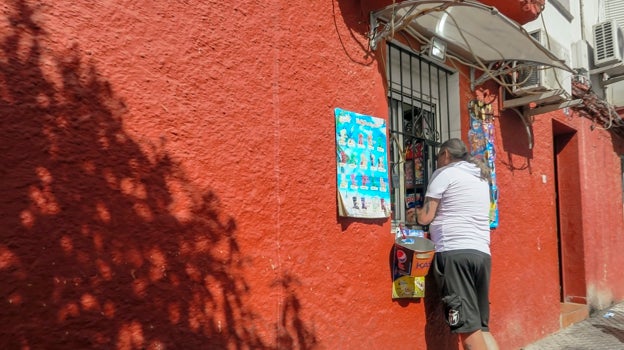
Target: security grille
column 418, row 98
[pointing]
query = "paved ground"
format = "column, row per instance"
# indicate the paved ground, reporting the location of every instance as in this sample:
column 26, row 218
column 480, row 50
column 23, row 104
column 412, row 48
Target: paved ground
column 603, row 330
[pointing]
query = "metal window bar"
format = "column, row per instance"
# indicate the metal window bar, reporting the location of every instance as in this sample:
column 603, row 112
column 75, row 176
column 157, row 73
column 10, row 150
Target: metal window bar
column 418, row 102
column 622, row 171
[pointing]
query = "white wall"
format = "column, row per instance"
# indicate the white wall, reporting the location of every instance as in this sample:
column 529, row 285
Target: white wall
column 566, row 31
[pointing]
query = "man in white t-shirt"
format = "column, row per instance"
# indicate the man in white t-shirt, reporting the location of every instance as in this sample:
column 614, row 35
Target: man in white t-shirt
column 456, row 208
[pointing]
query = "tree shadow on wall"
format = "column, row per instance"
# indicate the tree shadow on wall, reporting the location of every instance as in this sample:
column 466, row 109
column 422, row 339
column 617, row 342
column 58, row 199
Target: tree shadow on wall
column 351, row 24
column 104, row 245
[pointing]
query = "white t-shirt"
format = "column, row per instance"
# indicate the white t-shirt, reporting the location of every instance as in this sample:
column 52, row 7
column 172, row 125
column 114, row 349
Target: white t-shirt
column 462, row 219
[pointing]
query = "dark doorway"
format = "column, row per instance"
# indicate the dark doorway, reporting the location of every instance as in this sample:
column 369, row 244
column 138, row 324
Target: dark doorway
column 569, row 214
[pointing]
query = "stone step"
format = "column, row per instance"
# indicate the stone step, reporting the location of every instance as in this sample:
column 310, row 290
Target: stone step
column 572, row 313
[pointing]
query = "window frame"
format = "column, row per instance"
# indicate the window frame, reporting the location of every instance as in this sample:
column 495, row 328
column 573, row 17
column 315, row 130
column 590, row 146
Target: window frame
column 416, row 83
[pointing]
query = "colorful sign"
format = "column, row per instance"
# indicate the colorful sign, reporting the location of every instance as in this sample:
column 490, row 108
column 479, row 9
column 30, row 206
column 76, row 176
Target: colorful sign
column 362, row 165
column 481, row 139
column 405, row 284
column 408, row 287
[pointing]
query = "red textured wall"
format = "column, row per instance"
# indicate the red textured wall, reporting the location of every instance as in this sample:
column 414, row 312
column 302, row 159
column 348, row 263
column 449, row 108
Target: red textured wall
column 601, row 183
column 525, row 274
column 525, row 259
column 168, row 182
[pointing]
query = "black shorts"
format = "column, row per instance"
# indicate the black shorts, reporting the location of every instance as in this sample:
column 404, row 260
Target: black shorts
column 463, row 277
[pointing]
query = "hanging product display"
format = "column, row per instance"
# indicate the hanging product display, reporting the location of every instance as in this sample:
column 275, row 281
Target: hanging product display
column 414, row 176
column 362, row 173
column 481, row 140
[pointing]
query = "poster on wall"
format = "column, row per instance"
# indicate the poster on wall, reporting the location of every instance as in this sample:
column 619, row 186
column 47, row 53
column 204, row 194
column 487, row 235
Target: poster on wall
column 362, row 169
column 481, row 139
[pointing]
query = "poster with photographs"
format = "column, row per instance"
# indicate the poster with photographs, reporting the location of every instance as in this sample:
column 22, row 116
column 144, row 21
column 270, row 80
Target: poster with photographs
column 362, row 168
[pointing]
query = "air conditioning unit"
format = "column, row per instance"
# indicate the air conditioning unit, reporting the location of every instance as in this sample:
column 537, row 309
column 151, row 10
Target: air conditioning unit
column 530, row 77
column 608, row 44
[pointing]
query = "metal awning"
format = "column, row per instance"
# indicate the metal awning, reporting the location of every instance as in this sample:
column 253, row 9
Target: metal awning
column 473, row 32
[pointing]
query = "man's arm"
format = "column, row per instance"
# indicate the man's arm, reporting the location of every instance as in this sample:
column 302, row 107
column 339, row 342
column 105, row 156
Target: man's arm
column 425, row 215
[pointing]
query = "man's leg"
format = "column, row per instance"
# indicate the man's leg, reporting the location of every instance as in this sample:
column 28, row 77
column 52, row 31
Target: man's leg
column 490, row 341
column 473, row 340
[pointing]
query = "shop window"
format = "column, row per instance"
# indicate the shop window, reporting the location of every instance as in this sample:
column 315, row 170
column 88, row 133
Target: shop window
column 423, row 113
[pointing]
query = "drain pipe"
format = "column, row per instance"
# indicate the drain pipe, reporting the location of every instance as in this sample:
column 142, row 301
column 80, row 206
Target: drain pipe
column 582, row 19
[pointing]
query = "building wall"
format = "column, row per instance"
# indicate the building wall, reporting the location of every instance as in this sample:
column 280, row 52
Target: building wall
column 601, row 183
column 168, row 182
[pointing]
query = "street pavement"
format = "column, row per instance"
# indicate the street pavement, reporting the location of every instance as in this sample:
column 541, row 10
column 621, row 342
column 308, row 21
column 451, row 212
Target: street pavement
column 603, row 330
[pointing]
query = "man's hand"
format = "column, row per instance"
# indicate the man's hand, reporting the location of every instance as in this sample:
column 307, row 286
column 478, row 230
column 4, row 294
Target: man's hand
column 410, row 216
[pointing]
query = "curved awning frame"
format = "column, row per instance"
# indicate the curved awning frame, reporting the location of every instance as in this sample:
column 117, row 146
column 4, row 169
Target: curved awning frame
column 475, row 33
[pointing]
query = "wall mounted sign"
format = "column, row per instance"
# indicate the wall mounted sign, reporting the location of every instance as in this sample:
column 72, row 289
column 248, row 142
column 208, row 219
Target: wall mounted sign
column 362, row 165
column 481, row 140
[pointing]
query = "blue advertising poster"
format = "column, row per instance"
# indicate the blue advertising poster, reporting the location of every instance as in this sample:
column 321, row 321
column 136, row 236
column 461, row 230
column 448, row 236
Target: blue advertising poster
column 481, row 139
column 362, row 165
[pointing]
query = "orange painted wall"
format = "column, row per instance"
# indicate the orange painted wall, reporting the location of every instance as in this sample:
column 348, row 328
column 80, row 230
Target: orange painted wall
column 525, row 286
column 168, row 182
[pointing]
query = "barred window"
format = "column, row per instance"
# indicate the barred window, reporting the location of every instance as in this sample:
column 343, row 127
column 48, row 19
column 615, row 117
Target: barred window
column 422, row 98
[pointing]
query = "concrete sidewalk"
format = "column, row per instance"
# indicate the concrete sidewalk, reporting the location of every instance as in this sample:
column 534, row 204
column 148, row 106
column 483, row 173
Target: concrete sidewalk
column 603, row 330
